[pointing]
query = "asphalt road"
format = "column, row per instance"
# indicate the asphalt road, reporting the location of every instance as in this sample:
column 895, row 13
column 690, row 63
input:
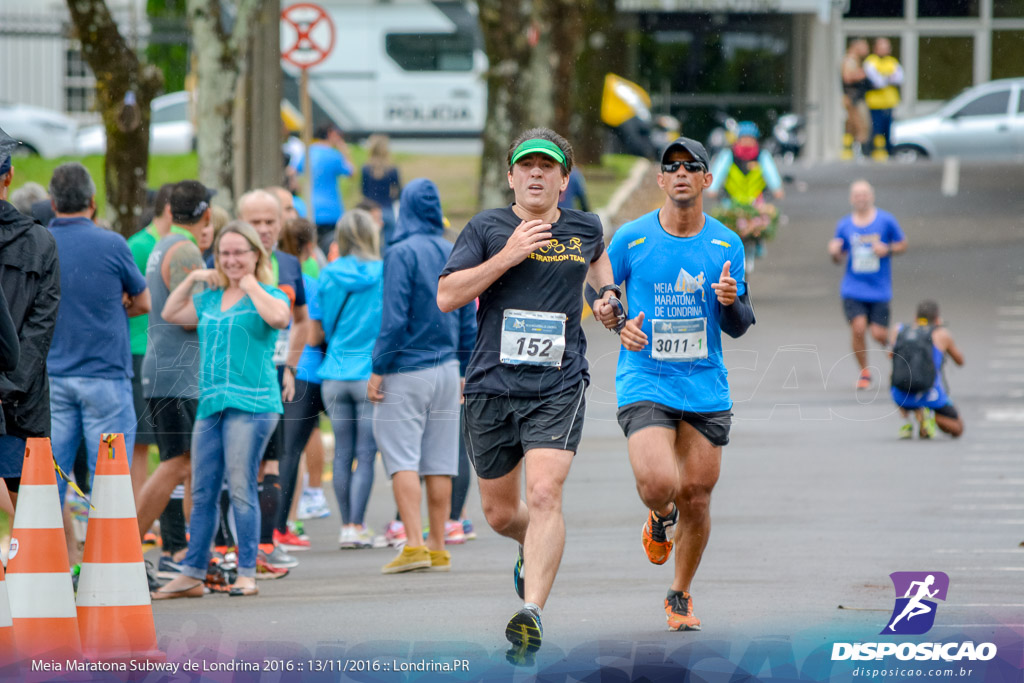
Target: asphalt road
column 817, row 504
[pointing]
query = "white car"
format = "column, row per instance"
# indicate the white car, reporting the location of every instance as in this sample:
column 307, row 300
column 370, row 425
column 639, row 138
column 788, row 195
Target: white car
column 41, row 131
column 170, row 130
column 984, row 122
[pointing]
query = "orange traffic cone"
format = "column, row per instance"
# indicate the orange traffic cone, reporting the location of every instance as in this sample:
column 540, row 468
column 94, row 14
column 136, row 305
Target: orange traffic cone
column 114, row 611
column 6, row 625
column 38, row 576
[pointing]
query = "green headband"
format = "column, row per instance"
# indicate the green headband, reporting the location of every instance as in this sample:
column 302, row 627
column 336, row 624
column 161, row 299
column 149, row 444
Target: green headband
column 539, row 146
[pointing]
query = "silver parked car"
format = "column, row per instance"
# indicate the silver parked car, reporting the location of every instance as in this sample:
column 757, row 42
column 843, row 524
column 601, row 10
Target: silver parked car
column 170, row 128
column 983, row 122
column 40, row 131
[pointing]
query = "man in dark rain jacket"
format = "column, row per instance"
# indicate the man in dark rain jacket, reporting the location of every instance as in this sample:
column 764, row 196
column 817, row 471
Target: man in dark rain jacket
column 30, row 280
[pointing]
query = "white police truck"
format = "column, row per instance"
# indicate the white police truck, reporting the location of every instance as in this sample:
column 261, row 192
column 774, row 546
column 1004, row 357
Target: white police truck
column 407, row 68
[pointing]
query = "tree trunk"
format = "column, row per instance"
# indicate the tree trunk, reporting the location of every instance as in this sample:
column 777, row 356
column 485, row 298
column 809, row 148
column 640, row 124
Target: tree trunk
column 261, row 134
column 518, row 87
column 124, row 89
column 567, row 33
column 601, row 50
column 220, row 34
column 547, row 64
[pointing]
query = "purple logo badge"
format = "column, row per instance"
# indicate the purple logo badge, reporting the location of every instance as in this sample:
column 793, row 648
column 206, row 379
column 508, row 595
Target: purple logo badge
column 914, row 612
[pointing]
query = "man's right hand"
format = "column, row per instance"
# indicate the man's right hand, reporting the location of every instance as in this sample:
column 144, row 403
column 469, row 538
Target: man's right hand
column 835, row 248
column 527, row 238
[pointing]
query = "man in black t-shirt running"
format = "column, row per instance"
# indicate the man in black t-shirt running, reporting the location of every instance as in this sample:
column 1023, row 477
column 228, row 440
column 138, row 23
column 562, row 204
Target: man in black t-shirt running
column 526, row 377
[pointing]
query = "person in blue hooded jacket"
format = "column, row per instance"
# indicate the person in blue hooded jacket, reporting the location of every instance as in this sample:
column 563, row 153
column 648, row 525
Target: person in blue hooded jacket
column 417, row 361
column 349, row 297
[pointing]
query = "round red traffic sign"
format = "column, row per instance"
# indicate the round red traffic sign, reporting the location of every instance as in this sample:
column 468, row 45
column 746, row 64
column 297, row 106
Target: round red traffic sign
column 307, row 34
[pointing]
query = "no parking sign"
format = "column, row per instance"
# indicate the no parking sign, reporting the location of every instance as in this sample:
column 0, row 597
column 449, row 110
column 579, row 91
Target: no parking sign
column 307, row 35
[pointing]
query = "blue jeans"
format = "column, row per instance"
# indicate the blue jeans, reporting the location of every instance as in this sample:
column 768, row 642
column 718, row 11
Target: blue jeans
column 352, row 419
column 881, row 124
column 88, row 407
column 230, row 441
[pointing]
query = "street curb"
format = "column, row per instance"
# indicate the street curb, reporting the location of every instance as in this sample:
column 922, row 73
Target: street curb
column 624, row 192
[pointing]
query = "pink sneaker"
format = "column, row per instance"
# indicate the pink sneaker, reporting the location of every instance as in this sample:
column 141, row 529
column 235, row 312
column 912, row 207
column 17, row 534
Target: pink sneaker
column 394, row 533
column 453, row 533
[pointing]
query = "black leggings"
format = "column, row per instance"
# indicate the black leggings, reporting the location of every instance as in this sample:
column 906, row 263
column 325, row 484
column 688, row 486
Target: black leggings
column 301, row 416
column 460, row 483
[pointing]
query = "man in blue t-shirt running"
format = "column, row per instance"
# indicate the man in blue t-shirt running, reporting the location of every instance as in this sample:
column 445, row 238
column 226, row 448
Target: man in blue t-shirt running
column 683, row 274
column 869, row 237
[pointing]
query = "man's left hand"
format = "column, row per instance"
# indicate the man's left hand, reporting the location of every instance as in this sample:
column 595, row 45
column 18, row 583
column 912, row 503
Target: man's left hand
column 725, row 288
column 605, row 313
column 881, row 249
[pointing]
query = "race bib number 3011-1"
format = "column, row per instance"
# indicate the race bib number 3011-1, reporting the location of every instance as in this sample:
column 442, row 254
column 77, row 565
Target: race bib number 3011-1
column 679, row 340
column 532, row 338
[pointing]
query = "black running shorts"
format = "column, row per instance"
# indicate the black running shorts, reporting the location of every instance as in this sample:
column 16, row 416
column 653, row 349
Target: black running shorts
column 144, row 427
column 877, row 312
column 714, row 425
column 174, row 419
column 498, row 430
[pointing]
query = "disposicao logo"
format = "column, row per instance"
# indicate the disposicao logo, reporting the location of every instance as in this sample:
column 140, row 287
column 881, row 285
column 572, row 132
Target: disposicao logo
column 916, row 592
column 914, row 614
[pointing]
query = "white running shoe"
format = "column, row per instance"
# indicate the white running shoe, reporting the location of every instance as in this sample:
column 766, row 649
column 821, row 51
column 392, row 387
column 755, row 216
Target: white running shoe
column 319, row 508
column 349, row 538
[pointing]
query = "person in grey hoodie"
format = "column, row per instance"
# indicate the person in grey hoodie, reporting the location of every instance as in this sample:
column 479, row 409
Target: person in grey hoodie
column 417, row 361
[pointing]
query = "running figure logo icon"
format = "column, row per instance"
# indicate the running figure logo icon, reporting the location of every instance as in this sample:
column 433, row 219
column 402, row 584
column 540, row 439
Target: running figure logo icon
column 914, row 612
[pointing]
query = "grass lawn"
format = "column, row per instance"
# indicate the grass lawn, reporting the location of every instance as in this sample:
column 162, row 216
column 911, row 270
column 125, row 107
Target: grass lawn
column 456, row 177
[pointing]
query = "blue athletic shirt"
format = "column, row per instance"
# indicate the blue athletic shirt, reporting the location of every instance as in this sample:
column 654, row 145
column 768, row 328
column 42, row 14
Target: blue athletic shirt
column 288, row 278
column 670, row 278
column 867, row 278
column 328, row 166
column 90, row 337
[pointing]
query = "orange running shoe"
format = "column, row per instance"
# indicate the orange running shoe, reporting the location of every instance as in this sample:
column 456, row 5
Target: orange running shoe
column 864, row 381
column 679, row 612
column 656, row 539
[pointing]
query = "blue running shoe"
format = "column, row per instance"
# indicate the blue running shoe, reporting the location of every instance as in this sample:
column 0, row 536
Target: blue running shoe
column 517, row 575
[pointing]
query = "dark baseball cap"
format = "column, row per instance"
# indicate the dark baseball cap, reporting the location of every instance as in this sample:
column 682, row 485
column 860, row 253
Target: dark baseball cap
column 189, row 200
column 695, row 149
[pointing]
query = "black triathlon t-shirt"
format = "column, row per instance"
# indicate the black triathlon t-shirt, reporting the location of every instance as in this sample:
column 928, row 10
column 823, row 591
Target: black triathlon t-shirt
column 549, row 281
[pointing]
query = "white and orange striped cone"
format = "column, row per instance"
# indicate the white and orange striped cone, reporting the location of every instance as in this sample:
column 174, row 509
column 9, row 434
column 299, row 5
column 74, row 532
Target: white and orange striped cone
column 115, row 614
column 7, row 649
column 38, row 575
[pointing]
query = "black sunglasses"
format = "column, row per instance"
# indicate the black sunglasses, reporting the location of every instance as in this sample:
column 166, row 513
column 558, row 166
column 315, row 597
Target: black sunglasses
column 690, row 166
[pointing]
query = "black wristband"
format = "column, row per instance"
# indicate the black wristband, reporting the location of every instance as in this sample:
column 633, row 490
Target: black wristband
column 294, row 370
column 610, row 288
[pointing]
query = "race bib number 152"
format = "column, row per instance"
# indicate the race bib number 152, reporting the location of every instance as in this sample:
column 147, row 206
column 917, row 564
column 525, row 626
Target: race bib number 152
column 532, row 338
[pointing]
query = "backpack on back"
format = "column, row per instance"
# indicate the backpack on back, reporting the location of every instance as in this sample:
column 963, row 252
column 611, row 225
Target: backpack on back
column 913, row 367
